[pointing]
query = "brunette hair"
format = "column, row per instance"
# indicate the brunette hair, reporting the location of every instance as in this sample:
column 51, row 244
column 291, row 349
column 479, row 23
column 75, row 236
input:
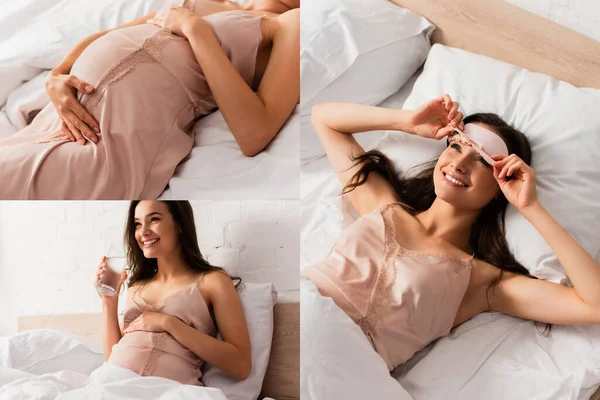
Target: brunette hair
column 488, row 235
column 143, row 269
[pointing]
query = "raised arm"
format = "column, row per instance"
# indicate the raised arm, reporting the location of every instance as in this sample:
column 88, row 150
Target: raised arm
column 336, row 122
column 539, row 300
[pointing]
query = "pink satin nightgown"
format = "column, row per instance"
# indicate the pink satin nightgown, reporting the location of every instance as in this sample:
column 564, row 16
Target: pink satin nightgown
column 149, row 91
column 402, row 299
column 159, row 354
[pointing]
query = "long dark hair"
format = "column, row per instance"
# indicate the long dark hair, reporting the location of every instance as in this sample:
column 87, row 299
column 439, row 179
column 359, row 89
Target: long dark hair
column 488, row 238
column 143, row 269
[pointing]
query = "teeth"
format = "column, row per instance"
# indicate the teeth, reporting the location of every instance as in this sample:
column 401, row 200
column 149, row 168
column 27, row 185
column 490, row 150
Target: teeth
column 150, row 242
column 455, row 181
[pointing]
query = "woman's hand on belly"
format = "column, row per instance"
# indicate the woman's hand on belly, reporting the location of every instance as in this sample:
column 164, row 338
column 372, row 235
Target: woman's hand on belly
column 77, row 123
column 149, row 322
column 175, row 19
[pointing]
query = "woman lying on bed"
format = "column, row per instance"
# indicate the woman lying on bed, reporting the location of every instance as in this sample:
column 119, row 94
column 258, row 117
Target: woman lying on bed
column 175, row 302
column 124, row 101
column 429, row 251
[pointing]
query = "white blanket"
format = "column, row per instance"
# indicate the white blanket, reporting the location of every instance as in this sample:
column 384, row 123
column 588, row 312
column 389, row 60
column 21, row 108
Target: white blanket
column 36, row 35
column 106, row 382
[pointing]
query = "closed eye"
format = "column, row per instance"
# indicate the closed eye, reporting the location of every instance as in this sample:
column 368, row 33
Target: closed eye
column 456, row 146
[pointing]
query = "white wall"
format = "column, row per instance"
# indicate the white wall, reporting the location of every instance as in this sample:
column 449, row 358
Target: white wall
column 49, row 251
column 582, row 16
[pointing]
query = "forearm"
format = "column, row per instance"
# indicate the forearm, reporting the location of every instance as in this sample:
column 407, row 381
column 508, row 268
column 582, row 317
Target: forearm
column 112, row 330
column 65, row 66
column 244, row 112
column 222, row 355
column 355, row 118
column 582, row 269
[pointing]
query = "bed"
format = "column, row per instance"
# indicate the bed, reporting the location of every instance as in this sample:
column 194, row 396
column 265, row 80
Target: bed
column 281, row 381
column 214, row 169
column 492, row 356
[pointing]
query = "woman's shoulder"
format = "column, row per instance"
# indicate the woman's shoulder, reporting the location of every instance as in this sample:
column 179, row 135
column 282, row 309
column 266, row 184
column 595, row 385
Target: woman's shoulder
column 288, row 22
column 214, row 279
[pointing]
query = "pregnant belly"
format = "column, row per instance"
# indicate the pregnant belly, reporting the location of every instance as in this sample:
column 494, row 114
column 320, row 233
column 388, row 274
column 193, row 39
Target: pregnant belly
column 106, row 52
column 156, row 354
column 125, row 64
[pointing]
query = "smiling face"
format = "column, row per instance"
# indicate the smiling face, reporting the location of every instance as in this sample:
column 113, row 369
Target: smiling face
column 156, row 232
column 463, row 178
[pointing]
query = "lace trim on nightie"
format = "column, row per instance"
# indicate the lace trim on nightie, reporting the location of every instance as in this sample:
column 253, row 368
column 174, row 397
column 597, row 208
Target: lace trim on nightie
column 149, row 53
column 158, row 346
column 158, row 338
column 380, row 297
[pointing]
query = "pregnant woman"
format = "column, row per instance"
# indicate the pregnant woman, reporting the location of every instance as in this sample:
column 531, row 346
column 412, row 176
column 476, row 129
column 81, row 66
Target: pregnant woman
column 429, row 251
column 123, row 102
column 175, row 303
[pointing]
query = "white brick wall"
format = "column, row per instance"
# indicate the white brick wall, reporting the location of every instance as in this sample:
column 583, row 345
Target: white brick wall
column 582, row 16
column 49, row 251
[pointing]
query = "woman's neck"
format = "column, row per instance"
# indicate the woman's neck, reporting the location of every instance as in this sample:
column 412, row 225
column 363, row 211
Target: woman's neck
column 446, row 222
column 170, row 267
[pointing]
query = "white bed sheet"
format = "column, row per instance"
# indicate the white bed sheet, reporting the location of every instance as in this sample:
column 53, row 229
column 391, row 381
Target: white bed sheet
column 214, row 169
column 108, row 381
column 487, row 354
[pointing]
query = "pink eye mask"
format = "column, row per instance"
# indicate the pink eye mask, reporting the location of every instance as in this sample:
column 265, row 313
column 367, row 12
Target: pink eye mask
column 483, row 141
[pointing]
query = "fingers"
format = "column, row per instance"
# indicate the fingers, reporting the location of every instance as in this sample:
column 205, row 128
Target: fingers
column 66, row 131
column 443, row 132
column 73, row 129
column 453, row 110
column 501, row 160
column 457, row 121
column 87, row 122
column 447, row 102
column 504, row 173
column 79, row 128
column 517, row 166
column 80, row 85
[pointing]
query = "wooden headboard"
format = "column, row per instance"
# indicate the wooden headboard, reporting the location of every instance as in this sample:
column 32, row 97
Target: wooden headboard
column 282, row 381
column 508, row 33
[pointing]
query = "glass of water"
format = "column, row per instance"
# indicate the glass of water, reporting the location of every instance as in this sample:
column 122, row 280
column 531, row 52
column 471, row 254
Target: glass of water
column 116, row 263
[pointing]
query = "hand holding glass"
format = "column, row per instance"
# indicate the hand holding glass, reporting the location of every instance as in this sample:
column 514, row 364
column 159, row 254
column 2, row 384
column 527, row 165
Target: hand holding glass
column 116, row 262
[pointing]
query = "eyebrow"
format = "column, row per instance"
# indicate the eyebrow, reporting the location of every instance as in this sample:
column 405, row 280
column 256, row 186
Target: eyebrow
column 149, row 215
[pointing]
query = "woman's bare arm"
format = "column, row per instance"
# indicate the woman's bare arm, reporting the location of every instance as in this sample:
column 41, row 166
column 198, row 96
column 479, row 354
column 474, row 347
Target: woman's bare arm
column 580, row 266
column 232, row 354
column 542, row 301
column 335, row 124
column 112, row 330
column 254, row 118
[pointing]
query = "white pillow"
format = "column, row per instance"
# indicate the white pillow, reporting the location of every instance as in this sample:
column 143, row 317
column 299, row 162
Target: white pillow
column 338, row 362
column 355, row 51
column 258, row 300
column 562, row 123
column 43, row 351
